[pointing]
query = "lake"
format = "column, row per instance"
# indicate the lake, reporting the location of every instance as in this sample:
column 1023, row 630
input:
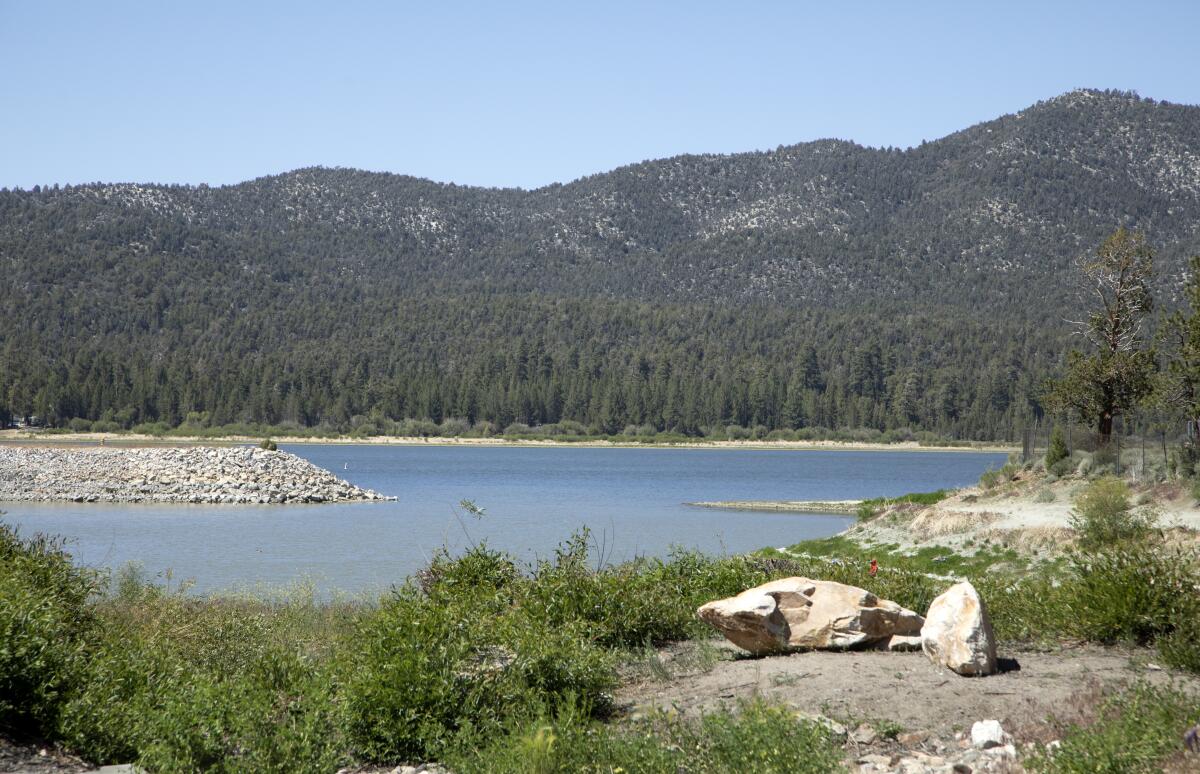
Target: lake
column 534, row 498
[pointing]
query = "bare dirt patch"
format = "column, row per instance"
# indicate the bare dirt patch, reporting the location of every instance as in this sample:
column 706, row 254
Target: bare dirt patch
column 37, row 757
column 904, row 689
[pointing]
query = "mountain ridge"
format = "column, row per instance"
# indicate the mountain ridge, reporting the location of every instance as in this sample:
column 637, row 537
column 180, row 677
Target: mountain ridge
column 828, row 236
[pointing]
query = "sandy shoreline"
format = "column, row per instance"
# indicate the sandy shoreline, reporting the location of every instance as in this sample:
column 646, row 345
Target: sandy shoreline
column 824, row 507
column 124, row 439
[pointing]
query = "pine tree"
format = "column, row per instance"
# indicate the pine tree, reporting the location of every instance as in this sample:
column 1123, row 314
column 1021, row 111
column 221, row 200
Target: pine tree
column 1057, row 451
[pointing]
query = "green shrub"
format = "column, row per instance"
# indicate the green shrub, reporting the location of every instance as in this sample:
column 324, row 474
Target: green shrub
column 268, row 444
column 990, row 479
column 147, row 701
column 869, row 509
column 430, row 666
column 45, row 625
column 480, row 568
column 1181, row 648
column 179, row 683
column 1137, row 731
column 1034, row 608
column 1132, row 591
column 1103, row 515
column 1104, row 457
column 1057, row 451
column 156, row 429
column 1063, row 467
column 649, row 600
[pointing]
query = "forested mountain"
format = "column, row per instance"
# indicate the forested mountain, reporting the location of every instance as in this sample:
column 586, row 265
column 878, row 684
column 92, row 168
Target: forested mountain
column 817, row 284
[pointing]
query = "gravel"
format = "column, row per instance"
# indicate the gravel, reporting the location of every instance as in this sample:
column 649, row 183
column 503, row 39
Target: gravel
column 169, row 475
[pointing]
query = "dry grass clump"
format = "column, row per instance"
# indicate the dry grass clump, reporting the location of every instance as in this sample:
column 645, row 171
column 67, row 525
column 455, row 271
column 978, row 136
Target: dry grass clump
column 934, row 522
column 1043, row 539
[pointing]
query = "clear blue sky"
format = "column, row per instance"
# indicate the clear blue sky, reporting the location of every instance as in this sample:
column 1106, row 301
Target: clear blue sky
column 523, row 93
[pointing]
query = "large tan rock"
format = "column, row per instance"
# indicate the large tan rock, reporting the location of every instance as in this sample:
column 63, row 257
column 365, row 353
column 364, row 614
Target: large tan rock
column 958, row 633
column 801, row 614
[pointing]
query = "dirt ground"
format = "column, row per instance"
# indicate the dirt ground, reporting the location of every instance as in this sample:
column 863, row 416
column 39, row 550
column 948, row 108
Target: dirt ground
column 36, row 757
column 903, row 688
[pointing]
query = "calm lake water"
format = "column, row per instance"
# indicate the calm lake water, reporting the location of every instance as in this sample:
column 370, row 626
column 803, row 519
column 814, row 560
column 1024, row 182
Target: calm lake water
column 631, row 499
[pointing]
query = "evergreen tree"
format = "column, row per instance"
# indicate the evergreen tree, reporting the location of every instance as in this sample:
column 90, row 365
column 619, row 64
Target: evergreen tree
column 1057, row 450
column 1116, row 374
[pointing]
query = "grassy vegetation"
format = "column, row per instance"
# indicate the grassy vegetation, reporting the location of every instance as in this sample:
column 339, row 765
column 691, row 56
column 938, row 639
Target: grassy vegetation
column 757, row 737
column 868, row 509
column 473, row 653
column 934, row 559
column 1136, row 730
column 489, row 665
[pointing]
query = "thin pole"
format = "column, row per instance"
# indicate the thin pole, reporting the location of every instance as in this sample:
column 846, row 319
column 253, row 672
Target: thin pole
column 1118, row 452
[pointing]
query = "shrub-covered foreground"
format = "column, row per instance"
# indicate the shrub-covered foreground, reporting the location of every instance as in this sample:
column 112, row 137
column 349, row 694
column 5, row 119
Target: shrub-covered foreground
column 470, row 656
column 1136, row 730
column 478, row 661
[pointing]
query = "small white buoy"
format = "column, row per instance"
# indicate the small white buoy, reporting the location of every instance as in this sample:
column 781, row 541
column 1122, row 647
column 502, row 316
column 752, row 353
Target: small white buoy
column 346, row 466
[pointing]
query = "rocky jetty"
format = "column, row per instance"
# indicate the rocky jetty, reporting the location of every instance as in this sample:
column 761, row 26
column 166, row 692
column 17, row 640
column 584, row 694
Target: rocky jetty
column 169, row 475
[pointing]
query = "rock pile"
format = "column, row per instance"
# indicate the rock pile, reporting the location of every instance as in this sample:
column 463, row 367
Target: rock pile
column 169, row 475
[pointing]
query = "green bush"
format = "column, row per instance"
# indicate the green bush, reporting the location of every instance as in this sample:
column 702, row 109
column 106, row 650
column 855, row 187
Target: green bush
column 45, row 625
column 1035, row 608
column 461, row 657
column 1137, row 731
column 1057, row 451
column 268, row 444
column 1132, row 591
column 156, row 429
column 184, row 684
column 990, row 479
column 869, row 509
column 650, row 600
column 1181, row 648
column 145, row 700
column 1103, row 515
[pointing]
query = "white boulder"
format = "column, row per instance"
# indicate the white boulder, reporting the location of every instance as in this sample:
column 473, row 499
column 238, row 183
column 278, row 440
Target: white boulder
column 986, row 734
column 957, row 633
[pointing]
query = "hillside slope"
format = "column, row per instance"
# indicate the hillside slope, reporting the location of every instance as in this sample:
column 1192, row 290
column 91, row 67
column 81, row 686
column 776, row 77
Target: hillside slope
column 364, row 283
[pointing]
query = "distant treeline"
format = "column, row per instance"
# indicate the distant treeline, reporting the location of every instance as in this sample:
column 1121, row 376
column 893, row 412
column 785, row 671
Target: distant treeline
column 586, row 367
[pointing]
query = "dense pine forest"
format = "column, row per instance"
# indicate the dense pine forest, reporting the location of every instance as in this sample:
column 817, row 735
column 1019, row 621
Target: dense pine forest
column 822, row 286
